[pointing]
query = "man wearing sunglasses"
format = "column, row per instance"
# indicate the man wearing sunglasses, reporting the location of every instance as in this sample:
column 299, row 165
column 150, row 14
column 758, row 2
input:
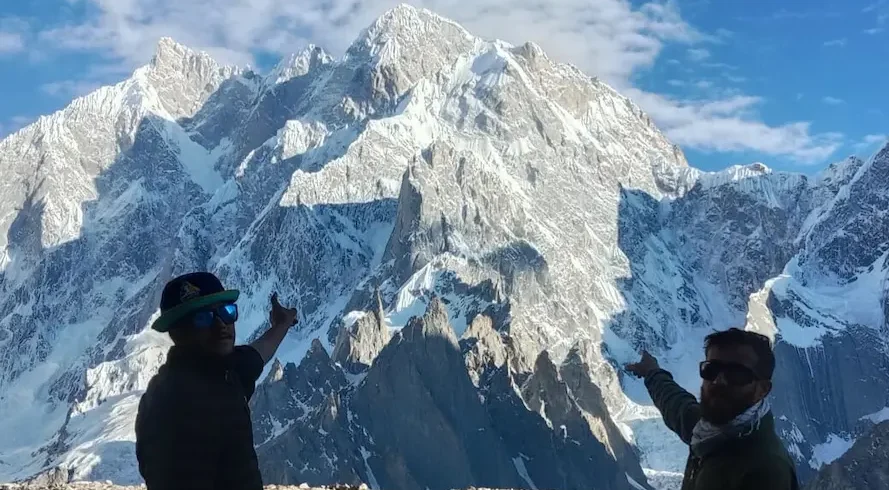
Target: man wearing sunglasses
column 731, row 432
column 193, row 428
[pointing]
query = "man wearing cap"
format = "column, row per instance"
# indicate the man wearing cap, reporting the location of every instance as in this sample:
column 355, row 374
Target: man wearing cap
column 193, row 429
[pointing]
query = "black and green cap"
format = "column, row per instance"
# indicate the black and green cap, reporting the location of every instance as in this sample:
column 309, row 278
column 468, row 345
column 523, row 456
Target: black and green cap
column 189, row 293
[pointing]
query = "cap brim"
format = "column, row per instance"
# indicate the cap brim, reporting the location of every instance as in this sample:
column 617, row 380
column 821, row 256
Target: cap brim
column 169, row 318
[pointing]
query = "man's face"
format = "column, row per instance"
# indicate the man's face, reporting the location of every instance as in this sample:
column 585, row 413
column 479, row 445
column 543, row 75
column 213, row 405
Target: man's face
column 734, row 388
column 210, row 335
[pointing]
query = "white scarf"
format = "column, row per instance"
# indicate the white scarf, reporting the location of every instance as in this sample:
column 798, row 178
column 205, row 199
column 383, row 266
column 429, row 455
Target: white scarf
column 707, row 436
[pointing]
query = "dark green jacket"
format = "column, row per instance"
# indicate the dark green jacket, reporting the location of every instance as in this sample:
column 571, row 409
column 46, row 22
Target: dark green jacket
column 756, row 462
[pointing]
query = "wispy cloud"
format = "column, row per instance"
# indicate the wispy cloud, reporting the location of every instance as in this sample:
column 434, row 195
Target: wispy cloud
column 835, row 42
column 11, row 42
column 69, row 88
column 609, row 35
column 612, row 39
column 734, row 78
column 873, row 31
column 724, row 66
column 675, row 83
column 704, row 84
column 732, row 125
column 870, row 142
column 799, row 96
column 14, row 124
column 12, row 35
column 873, row 6
column 784, row 14
column 832, row 100
column 698, row 54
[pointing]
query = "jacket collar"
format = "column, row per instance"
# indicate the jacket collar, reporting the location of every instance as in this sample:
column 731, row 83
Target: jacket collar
column 193, row 359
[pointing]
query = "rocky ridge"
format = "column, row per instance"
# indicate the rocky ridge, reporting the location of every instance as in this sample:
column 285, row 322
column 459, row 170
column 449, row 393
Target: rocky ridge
column 557, row 229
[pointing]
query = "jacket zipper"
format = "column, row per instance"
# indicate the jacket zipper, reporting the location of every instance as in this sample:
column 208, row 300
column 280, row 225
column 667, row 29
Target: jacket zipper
column 695, row 466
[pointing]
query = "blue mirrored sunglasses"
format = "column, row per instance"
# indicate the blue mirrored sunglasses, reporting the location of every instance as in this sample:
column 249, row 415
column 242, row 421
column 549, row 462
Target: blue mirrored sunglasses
column 206, row 318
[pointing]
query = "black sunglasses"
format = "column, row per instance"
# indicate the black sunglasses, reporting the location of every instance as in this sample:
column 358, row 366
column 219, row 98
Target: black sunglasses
column 735, row 374
column 228, row 313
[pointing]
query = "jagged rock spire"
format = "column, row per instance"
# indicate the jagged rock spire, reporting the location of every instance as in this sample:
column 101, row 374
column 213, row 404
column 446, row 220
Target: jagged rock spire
column 358, row 344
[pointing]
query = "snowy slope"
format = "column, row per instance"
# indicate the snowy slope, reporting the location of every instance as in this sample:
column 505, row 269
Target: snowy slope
column 424, row 161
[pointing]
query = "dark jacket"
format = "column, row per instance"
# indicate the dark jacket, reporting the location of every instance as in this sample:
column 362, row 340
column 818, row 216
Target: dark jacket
column 755, row 462
column 193, row 429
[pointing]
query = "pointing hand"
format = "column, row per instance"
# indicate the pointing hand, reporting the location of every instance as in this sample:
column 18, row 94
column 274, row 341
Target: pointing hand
column 646, row 365
column 281, row 316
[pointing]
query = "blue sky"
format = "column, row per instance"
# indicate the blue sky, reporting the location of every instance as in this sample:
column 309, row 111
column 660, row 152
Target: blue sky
column 794, row 84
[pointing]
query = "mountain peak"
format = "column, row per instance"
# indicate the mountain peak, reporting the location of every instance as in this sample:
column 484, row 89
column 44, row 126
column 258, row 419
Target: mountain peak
column 408, row 26
column 403, row 14
column 299, row 64
column 170, row 54
column 183, row 78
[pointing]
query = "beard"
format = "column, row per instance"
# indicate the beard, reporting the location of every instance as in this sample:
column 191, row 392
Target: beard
column 722, row 408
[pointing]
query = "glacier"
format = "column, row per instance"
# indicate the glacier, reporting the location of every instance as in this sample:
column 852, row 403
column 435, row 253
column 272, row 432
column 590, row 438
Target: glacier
column 427, row 190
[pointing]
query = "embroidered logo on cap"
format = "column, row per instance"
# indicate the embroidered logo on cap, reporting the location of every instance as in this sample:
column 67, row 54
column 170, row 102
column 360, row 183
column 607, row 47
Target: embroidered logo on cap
column 188, row 291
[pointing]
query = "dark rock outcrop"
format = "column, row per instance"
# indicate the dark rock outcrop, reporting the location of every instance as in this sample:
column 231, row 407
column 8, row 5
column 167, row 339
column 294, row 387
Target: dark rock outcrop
column 864, row 466
column 422, row 411
column 358, row 344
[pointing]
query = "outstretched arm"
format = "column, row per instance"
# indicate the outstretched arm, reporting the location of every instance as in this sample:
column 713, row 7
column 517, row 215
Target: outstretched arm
column 680, row 409
column 281, row 319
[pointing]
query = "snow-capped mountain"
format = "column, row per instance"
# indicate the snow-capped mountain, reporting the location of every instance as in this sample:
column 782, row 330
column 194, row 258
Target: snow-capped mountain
column 475, row 235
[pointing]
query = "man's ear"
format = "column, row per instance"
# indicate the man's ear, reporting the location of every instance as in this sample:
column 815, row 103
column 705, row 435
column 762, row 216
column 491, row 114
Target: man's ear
column 178, row 335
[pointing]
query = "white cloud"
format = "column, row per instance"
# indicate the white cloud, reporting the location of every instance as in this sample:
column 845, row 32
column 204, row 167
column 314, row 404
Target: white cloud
column 833, row 100
column 69, row 88
column 608, row 35
column 873, row 31
column 11, row 42
column 12, row 35
column 731, row 125
column 725, row 66
column 676, row 83
column 784, row 14
column 704, row 84
column 870, row 142
column 612, row 39
column 835, row 43
column 873, row 6
column 698, row 54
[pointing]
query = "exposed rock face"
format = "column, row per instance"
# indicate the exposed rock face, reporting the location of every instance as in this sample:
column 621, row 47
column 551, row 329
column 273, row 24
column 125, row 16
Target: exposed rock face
column 419, row 393
column 358, row 344
column 865, row 465
column 426, row 394
column 827, row 309
column 543, row 210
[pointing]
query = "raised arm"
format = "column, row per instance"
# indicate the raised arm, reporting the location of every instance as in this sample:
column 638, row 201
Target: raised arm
column 281, row 319
column 680, row 409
